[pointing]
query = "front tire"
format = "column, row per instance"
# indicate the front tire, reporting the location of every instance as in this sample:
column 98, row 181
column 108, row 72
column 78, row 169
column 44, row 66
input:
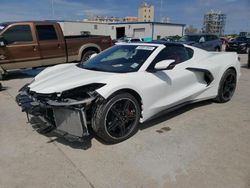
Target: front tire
column 116, row 119
column 227, row 86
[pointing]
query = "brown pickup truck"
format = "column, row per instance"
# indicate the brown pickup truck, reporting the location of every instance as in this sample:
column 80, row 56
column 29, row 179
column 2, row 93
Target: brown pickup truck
column 41, row 43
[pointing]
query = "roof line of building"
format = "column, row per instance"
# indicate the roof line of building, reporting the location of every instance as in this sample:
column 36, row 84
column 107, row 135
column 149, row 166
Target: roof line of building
column 159, row 23
column 111, row 23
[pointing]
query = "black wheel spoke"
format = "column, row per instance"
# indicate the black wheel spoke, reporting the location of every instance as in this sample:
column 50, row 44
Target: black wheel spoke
column 113, row 125
column 122, row 129
column 116, row 112
column 126, row 105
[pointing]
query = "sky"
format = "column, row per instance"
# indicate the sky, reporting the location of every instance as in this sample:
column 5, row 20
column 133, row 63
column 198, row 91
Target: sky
column 188, row 12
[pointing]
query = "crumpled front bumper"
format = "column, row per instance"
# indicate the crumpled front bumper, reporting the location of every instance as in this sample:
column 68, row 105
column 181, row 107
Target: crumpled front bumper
column 69, row 118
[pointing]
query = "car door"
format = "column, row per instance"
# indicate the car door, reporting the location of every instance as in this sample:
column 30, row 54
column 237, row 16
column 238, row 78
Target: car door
column 21, row 50
column 174, row 86
column 52, row 46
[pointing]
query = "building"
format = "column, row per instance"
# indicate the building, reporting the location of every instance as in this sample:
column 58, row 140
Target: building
column 149, row 30
column 146, row 13
column 214, row 22
column 103, row 19
column 130, row 19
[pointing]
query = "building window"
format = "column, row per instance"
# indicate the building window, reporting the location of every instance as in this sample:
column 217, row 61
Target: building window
column 95, row 27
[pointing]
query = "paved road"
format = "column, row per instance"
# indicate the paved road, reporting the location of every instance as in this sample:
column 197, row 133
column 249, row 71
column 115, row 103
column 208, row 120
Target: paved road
column 203, row 145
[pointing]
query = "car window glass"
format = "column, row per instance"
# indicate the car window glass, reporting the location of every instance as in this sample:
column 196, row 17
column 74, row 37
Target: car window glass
column 120, row 59
column 211, row 37
column 46, row 32
column 18, row 33
column 178, row 53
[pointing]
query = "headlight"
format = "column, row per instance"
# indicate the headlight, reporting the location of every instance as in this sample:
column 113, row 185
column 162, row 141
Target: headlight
column 243, row 44
column 82, row 91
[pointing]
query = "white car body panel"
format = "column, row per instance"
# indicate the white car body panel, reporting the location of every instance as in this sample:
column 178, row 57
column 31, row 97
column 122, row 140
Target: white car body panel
column 158, row 90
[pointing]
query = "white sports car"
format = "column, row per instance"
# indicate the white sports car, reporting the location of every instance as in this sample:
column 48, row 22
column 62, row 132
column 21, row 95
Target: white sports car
column 126, row 84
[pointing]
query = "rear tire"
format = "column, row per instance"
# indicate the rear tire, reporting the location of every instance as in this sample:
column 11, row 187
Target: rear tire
column 86, row 55
column 227, row 86
column 116, row 119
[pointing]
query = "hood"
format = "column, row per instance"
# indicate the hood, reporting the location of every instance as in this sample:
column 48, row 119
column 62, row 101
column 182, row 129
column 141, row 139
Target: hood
column 64, row 77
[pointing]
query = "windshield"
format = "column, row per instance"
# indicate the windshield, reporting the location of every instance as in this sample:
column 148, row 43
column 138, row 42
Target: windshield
column 120, row 59
column 189, row 38
column 240, row 39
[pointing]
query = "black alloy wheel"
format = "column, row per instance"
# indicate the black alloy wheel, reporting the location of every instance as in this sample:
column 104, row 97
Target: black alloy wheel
column 227, row 86
column 120, row 118
column 117, row 118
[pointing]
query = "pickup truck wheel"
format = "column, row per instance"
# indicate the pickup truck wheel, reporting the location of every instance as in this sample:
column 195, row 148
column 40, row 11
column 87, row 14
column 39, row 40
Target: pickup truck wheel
column 86, row 55
column 116, row 119
column 227, row 86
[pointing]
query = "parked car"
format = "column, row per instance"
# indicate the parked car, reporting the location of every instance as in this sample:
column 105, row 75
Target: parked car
column 34, row 44
column 239, row 44
column 209, row 42
column 128, row 83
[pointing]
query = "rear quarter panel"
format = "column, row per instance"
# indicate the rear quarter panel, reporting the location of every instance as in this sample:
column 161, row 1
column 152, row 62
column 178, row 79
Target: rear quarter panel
column 217, row 63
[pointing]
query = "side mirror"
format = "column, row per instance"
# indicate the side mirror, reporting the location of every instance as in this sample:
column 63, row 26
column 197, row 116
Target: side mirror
column 2, row 42
column 202, row 40
column 165, row 65
column 92, row 55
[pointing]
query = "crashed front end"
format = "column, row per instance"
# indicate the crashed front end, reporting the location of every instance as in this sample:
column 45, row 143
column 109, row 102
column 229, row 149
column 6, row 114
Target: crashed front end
column 67, row 112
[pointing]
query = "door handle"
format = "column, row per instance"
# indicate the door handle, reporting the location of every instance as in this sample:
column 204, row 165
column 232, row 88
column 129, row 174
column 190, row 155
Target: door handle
column 58, row 46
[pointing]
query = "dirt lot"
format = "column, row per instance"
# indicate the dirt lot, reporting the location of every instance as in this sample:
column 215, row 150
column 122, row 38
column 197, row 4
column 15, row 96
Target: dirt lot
column 202, row 145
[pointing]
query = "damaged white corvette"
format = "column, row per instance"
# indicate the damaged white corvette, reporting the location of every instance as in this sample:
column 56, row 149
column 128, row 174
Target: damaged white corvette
column 126, row 84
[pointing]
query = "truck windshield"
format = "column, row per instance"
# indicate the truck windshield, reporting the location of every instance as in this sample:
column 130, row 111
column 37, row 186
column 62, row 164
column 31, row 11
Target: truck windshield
column 189, row 38
column 120, row 59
